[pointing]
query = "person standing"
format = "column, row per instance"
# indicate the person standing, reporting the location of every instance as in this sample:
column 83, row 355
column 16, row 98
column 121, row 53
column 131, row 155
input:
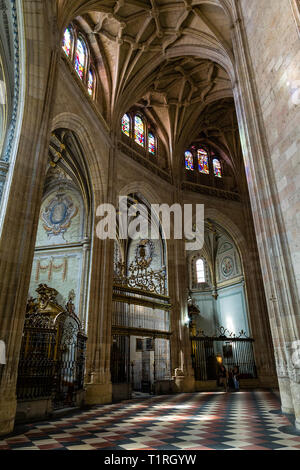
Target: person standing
column 223, row 375
column 235, row 376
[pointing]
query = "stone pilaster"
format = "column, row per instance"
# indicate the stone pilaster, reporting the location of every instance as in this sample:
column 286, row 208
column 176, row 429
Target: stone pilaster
column 180, row 339
column 84, row 285
column 268, row 210
column 98, row 380
column 23, row 200
column 98, row 377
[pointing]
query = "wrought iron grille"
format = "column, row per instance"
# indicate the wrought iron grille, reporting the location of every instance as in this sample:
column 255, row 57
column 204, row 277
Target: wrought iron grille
column 70, row 364
column 234, row 351
column 52, row 357
column 120, row 359
column 37, row 362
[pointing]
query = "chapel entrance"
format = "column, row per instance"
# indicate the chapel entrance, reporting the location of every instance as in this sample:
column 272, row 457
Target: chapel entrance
column 140, row 364
column 140, row 351
column 52, row 356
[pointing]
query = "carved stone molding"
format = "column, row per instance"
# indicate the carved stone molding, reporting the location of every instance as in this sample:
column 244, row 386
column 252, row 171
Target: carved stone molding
column 293, row 355
column 13, row 122
column 295, row 4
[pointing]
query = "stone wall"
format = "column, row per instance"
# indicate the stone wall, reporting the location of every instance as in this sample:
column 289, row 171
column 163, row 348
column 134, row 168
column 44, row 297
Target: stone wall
column 57, row 262
column 276, row 68
column 267, row 99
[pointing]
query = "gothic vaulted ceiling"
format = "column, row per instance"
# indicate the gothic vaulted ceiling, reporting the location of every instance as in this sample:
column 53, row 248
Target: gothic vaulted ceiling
column 173, row 58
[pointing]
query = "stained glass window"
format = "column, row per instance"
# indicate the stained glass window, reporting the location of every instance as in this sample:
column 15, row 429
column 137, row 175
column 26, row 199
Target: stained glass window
column 67, row 41
column 126, row 125
column 139, row 131
column 80, row 58
column 189, row 161
column 151, row 143
column 91, row 83
column 203, row 161
column 217, row 168
column 200, row 271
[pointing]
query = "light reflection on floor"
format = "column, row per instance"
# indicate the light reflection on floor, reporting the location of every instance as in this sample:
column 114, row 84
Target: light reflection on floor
column 195, row 421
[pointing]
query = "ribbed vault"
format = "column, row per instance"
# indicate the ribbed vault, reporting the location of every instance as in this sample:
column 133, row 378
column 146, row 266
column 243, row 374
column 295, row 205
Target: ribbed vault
column 171, row 58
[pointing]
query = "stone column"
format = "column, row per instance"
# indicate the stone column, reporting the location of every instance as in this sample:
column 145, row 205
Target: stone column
column 98, row 380
column 23, row 201
column 98, row 377
column 258, row 312
column 84, row 284
column 270, row 232
column 178, row 288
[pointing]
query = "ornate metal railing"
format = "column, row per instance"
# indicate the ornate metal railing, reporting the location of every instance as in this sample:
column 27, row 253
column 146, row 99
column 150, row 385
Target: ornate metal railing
column 140, row 276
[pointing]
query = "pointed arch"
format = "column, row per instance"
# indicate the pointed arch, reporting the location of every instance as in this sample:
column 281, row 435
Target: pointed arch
column 91, row 82
column 126, row 125
column 139, row 130
column 200, row 270
column 68, row 42
column 203, row 164
column 152, row 143
column 93, row 157
column 217, row 168
column 189, row 161
column 80, row 60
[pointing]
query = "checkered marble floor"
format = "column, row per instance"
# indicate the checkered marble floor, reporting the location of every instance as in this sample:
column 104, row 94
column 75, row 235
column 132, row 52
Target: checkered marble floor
column 196, row 421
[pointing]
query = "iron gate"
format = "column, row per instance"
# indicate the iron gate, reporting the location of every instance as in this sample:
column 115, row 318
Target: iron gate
column 234, row 352
column 37, row 363
column 52, row 356
column 120, row 359
column 69, row 377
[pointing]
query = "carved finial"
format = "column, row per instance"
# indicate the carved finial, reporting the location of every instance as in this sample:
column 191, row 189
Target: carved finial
column 70, row 307
column 72, row 295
